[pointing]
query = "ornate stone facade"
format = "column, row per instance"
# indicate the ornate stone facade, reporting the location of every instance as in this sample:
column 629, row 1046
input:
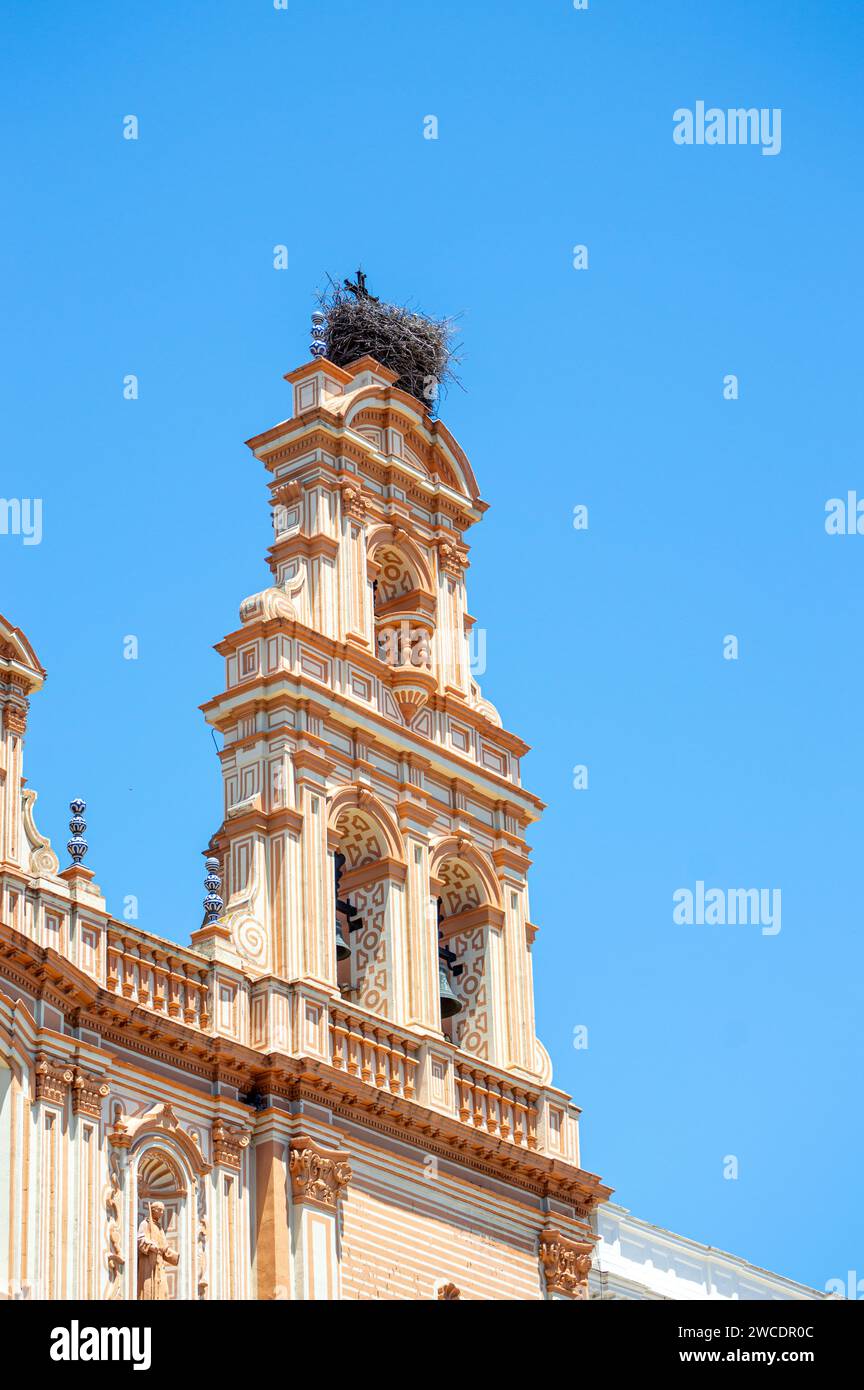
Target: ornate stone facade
column 292, row 1114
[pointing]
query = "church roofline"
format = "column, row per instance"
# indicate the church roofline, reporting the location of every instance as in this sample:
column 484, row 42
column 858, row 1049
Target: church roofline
column 16, row 647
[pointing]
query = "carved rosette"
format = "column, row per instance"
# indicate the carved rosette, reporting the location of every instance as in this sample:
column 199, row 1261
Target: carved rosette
column 229, row 1141
column 566, row 1264
column 52, row 1080
column 318, row 1175
column 88, row 1093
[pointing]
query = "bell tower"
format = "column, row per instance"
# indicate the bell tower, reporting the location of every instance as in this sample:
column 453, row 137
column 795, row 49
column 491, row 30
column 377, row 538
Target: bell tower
column 373, row 837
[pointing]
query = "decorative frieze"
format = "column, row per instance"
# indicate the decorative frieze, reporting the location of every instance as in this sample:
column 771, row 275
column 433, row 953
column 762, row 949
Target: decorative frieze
column 566, row 1264
column 318, row 1175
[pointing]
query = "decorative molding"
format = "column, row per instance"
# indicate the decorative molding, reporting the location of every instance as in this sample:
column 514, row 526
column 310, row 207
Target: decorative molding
column 318, row 1175
column 566, row 1264
column 113, row 1209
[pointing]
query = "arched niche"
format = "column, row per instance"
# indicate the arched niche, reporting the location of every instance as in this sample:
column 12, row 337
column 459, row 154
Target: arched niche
column 167, row 1166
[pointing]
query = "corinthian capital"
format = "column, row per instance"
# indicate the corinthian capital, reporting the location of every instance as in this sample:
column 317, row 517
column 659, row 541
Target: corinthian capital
column 318, row 1175
column 566, row 1264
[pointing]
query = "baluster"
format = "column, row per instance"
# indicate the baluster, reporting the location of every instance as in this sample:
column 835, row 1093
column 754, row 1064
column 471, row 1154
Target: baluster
column 204, row 1015
column 519, row 1114
column 462, row 1096
column 188, row 1000
column 505, row 1103
column 339, row 1035
column 410, row 1070
column 398, row 1067
column 478, row 1104
column 380, row 1071
column 365, row 1054
column 532, row 1124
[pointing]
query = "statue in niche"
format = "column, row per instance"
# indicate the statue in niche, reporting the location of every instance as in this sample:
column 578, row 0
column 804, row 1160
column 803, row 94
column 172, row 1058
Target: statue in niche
column 154, row 1253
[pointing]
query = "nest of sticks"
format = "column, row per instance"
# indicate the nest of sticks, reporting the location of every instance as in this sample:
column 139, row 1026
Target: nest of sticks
column 418, row 348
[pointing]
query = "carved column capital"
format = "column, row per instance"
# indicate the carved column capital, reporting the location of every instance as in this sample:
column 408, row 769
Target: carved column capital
column 451, row 559
column 15, row 717
column 566, row 1264
column 229, row 1141
column 449, row 1293
column 88, row 1093
column 354, row 503
column 318, row 1175
column 52, row 1079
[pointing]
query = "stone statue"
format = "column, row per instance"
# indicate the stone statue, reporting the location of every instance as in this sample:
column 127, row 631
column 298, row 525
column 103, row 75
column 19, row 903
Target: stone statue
column 154, row 1253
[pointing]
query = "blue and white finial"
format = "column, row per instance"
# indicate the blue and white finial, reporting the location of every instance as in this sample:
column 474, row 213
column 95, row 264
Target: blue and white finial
column 77, row 846
column 319, row 334
column 213, row 904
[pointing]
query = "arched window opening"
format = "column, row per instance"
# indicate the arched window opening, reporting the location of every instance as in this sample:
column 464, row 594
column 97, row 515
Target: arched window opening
column 463, row 953
column 362, row 890
column 448, row 968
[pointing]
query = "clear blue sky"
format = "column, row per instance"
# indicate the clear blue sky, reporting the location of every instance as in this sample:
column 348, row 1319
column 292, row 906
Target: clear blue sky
column 154, row 257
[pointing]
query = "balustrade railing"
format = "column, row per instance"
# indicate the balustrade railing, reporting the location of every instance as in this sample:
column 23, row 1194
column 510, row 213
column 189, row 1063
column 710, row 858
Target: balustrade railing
column 173, row 984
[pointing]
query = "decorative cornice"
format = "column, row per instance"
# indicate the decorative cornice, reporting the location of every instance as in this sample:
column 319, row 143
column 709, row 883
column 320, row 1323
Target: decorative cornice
column 126, row 1026
column 566, row 1264
column 318, row 1175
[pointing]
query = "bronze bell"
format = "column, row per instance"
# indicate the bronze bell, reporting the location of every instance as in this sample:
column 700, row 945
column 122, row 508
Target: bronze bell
column 450, row 1004
column 343, row 950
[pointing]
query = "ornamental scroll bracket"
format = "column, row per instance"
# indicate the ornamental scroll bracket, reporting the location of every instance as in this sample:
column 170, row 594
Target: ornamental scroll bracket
column 566, row 1264
column 318, row 1175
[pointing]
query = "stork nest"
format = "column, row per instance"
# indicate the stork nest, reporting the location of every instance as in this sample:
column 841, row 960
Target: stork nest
column 419, row 349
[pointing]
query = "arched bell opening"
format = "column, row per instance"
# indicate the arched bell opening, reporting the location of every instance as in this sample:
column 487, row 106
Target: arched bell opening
column 468, row 923
column 367, row 885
